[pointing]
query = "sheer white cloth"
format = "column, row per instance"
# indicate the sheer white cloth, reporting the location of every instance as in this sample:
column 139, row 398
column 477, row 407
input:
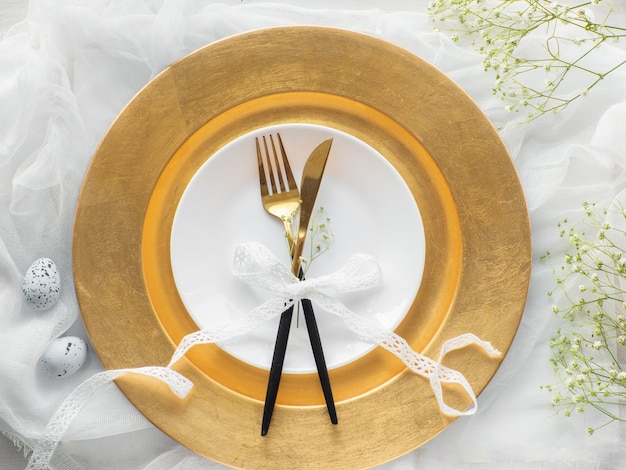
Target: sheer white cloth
column 67, row 71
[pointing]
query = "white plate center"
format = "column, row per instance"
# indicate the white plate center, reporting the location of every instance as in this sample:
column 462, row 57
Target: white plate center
column 371, row 210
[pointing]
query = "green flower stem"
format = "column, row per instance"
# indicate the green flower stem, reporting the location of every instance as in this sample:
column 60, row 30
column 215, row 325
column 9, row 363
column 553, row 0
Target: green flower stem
column 496, row 30
column 320, row 239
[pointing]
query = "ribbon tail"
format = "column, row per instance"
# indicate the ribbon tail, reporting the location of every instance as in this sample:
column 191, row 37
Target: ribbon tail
column 421, row 365
column 252, row 320
column 445, row 374
column 75, row 401
column 432, row 370
column 466, row 339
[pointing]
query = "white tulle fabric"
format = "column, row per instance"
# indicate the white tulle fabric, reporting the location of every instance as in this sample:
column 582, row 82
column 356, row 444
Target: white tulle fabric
column 71, row 406
column 69, row 68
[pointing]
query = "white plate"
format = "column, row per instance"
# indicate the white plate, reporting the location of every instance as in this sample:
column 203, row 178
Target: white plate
column 371, row 210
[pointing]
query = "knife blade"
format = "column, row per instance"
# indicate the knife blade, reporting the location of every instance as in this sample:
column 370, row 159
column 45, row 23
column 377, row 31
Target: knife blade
column 309, row 187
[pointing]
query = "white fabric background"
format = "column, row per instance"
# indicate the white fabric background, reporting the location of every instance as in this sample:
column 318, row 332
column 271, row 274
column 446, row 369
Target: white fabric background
column 67, row 70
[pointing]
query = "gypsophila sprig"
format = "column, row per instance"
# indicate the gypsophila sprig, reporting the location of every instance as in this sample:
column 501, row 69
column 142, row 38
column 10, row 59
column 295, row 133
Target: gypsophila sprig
column 320, row 238
column 590, row 296
column 532, row 46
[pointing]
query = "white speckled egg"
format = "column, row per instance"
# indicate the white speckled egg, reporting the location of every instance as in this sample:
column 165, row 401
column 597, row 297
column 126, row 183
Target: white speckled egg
column 42, row 284
column 64, row 356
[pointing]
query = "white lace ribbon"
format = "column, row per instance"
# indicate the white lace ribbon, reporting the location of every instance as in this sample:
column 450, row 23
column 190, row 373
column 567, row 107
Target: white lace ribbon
column 75, row 401
column 257, row 266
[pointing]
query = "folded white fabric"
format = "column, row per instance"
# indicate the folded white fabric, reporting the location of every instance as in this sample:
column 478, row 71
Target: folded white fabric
column 68, row 70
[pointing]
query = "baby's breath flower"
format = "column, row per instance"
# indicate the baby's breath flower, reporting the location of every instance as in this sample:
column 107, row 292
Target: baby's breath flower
column 586, row 347
column 496, row 29
column 320, row 238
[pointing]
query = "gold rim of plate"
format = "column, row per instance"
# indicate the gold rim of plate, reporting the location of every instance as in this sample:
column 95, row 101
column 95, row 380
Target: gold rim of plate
column 478, row 250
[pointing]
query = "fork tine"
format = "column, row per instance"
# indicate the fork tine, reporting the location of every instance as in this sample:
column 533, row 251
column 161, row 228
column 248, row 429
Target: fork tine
column 290, row 179
column 262, row 178
column 281, row 181
column 270, row 168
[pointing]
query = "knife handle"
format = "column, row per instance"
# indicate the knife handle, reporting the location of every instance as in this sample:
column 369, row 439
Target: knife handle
column 320, row 361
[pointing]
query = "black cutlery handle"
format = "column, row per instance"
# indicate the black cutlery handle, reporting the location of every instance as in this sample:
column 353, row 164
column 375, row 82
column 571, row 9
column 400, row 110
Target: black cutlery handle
column 320, row 361
column 278, row 360
column 276, row 369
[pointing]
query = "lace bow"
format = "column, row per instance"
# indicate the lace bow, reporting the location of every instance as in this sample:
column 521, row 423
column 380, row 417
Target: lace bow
column 258, row 267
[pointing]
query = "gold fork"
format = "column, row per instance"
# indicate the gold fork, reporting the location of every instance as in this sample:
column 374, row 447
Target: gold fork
column 282, row 202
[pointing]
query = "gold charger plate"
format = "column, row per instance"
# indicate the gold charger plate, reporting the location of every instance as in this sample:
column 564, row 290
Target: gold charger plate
column 478, row 251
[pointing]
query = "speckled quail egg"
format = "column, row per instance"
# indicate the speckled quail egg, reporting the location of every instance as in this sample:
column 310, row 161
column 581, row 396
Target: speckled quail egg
column 64, row 356
column 42, row 284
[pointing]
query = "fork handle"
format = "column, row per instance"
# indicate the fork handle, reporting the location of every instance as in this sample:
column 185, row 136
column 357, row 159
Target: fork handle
column 276, row 369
